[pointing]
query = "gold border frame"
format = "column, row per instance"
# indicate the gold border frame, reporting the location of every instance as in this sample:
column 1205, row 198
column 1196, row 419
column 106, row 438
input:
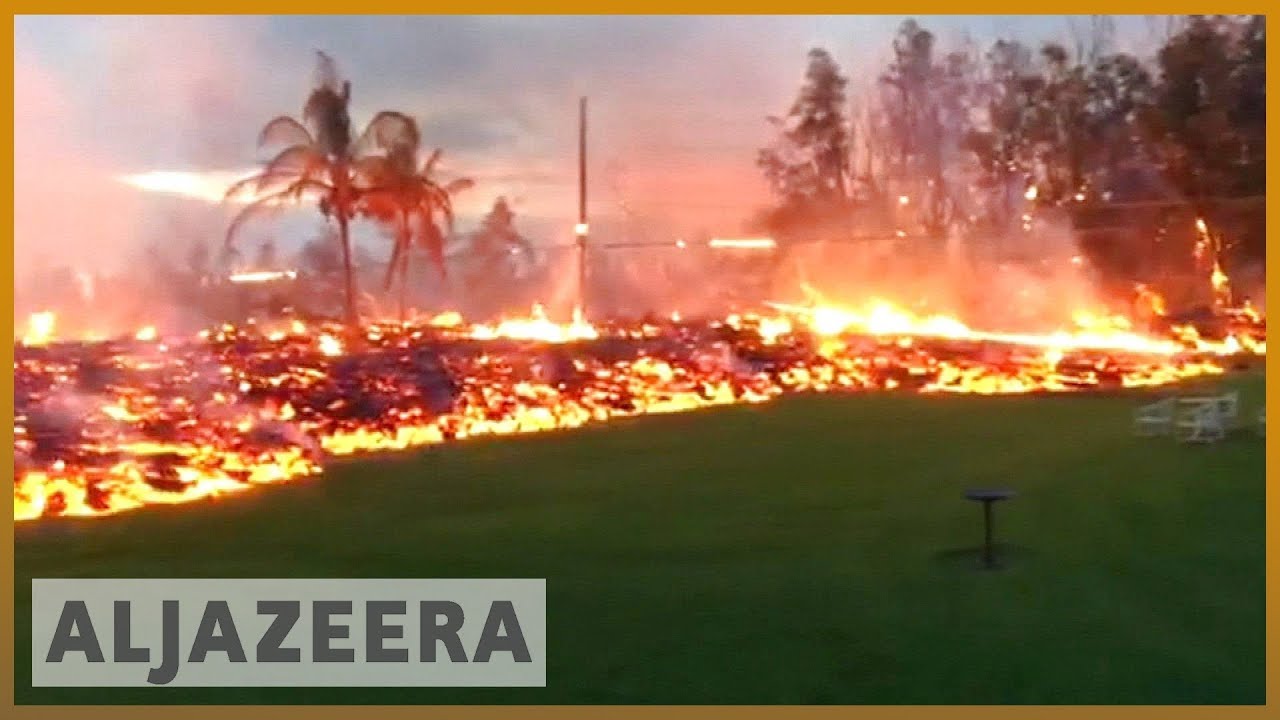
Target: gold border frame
column 634, row 7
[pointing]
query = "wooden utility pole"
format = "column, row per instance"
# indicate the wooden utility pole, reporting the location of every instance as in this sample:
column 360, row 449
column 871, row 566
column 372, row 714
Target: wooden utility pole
column 582, row 227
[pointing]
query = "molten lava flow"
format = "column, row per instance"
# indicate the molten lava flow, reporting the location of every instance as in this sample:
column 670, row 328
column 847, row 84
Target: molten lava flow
column 329, row 345
column 537, row 327
column 102, row 427
column 881, row 318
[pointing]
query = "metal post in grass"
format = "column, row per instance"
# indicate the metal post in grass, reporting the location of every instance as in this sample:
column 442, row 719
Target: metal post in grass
column 988, row 497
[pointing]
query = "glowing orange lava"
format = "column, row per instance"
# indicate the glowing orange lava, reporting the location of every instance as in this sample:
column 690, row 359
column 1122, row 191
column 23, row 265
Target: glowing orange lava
column 102, row 427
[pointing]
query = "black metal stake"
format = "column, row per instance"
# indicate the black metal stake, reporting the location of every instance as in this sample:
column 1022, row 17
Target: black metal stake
column 987, row 497
column 988, row 558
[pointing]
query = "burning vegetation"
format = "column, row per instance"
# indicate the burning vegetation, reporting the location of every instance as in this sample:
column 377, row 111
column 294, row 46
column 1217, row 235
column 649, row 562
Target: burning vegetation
column 106, row 426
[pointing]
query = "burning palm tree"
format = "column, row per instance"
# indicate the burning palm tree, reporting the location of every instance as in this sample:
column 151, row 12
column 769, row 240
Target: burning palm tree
column 319, row 160
column 402, row 193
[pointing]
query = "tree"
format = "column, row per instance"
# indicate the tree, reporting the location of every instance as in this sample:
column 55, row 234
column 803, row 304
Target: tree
column 321, row 258
column 1120, row 99
column 1060, row 110
column 497, row 234
column 1001, row 140
column 1194, row 103
column 808, row 167
column 492, row 247
column 267, row 257
column 406, row 198
column 1061, row 120
column 318, row 160
column 198, row 262
column 1248, row 114
column 926, row 102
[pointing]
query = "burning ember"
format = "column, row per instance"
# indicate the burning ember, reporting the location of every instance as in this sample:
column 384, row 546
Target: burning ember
column 106, row 426
column 538, row 327
column 40, row 329
column 262, row 276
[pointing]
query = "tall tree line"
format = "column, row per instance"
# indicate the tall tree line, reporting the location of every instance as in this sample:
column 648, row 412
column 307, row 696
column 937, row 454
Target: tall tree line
column 965, row 135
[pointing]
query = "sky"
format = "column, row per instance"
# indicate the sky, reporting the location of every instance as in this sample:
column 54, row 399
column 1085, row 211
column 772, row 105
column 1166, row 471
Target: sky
column 677, row 112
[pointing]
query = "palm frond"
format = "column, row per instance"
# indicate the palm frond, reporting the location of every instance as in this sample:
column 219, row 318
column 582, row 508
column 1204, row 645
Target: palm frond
column 380, row 204
column 254, row 209
column 432, row 240
column 388, row 132
column 256, row 184
column 429, row 166
column 436, row 199
column 268, row 182
column 455, row 186
column 377, row 173
column 284, row 130
column 302, row 160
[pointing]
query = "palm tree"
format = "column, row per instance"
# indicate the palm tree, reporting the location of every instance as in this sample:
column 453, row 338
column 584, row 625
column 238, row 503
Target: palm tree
column 318, row 160
column 400, row 193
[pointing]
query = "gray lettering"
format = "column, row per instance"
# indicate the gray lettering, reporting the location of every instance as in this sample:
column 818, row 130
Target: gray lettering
column 502, row 615
column 217, row 616
column 124, row 650
column 322, row 632
column 287, row 613
column 376, row 632
column 74, row 615
column 447, row 633
column 168, row 669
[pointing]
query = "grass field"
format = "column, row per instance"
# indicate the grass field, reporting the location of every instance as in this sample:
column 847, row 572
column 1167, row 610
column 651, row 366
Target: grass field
column 804, row 551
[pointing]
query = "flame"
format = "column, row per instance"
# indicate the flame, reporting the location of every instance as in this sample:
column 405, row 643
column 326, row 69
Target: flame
column 1221, row 285
column 1206, row 245
column 537, row 327
column 329, row 345
column 447, row 319
column 881, row 318
column 263, row 276
column 742, row 243
column 243, row 406
column 1151, row 300
column 40, row 329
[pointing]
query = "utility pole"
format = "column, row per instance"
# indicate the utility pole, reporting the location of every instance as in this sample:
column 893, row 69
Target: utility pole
column 582, row 228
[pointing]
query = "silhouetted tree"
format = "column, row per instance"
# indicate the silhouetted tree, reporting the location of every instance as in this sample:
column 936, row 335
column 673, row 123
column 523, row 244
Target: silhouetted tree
column 319, row 160
column 405, row 198
column 808, row 166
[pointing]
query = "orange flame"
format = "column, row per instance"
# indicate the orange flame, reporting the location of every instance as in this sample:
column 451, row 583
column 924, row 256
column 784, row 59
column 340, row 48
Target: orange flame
column 40, row 329
column 537, row 327
column 218, row 448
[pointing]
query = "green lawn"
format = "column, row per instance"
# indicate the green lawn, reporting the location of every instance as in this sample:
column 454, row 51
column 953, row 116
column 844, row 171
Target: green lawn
column 798, row 552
